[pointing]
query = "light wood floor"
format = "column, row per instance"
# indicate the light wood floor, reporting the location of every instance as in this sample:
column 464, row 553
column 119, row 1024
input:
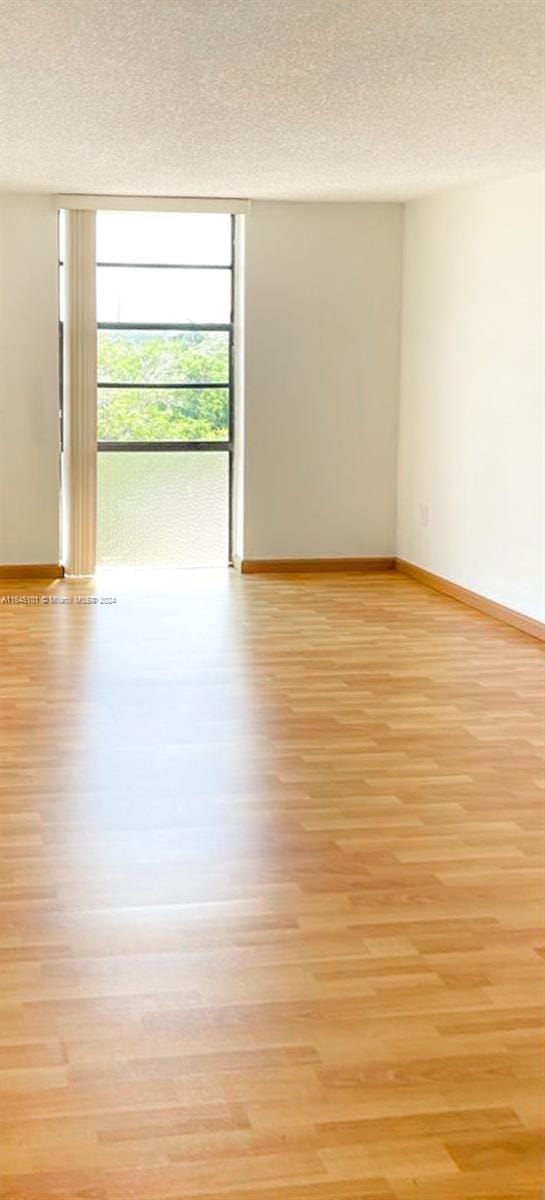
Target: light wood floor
column 272, row 884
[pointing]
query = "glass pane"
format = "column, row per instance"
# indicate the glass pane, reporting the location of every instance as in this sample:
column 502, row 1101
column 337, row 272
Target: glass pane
column 164, row 237
column 137, row 356
column 162, row 295
column 163, row 509
column 160, row 415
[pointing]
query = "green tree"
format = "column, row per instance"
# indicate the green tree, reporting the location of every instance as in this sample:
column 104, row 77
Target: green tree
column 166, row 414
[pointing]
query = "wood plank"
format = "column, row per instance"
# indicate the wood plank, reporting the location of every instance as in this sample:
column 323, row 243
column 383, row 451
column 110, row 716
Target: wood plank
column 273, row 566
column 475, row 600
column 31, row 571
column 272, row 892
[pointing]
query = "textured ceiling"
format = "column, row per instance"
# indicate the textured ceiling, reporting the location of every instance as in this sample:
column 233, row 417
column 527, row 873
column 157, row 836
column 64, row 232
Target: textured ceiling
column 301, row 99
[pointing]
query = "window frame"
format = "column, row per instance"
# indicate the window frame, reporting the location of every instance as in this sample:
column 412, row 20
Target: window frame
column 224, row 446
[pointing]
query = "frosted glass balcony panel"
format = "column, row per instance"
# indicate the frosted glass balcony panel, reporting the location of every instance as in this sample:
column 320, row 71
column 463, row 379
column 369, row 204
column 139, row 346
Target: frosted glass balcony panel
column 163, row 508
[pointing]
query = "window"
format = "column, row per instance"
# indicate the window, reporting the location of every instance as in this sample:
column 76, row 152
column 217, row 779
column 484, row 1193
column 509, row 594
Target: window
column 165, row 302
column 165, row 373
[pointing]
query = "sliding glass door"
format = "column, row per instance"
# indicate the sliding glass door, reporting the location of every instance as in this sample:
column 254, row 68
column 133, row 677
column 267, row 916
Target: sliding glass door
column 165, row 388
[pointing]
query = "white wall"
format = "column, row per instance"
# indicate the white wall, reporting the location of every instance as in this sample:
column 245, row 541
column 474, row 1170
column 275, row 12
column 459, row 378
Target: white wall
column 471, row 440
column 321, row 368
column 321, row 379
column 29, row 428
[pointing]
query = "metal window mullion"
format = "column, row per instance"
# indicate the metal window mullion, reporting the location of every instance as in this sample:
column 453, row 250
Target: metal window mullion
column 231, row 388
column 163, row 266
column 150, row 327
column 166, row 387
column 141, row 266
column 160, row 447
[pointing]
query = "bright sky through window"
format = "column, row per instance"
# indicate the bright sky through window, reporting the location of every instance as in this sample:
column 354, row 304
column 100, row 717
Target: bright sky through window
column 187, row 238
column 147, row 237
column 127, row 294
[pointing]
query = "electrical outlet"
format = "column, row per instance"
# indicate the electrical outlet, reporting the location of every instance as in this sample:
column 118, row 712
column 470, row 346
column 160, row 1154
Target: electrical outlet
column 424, row 515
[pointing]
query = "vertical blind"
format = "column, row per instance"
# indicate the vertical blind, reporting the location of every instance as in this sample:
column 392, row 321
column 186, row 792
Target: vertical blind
column 79, row 389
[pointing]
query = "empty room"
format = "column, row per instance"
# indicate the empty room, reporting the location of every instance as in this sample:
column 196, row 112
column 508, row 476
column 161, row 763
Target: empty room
column 272, row 599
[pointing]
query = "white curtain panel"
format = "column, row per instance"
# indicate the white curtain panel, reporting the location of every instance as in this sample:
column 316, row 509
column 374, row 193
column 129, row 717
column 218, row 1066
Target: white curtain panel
column 80, row 395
